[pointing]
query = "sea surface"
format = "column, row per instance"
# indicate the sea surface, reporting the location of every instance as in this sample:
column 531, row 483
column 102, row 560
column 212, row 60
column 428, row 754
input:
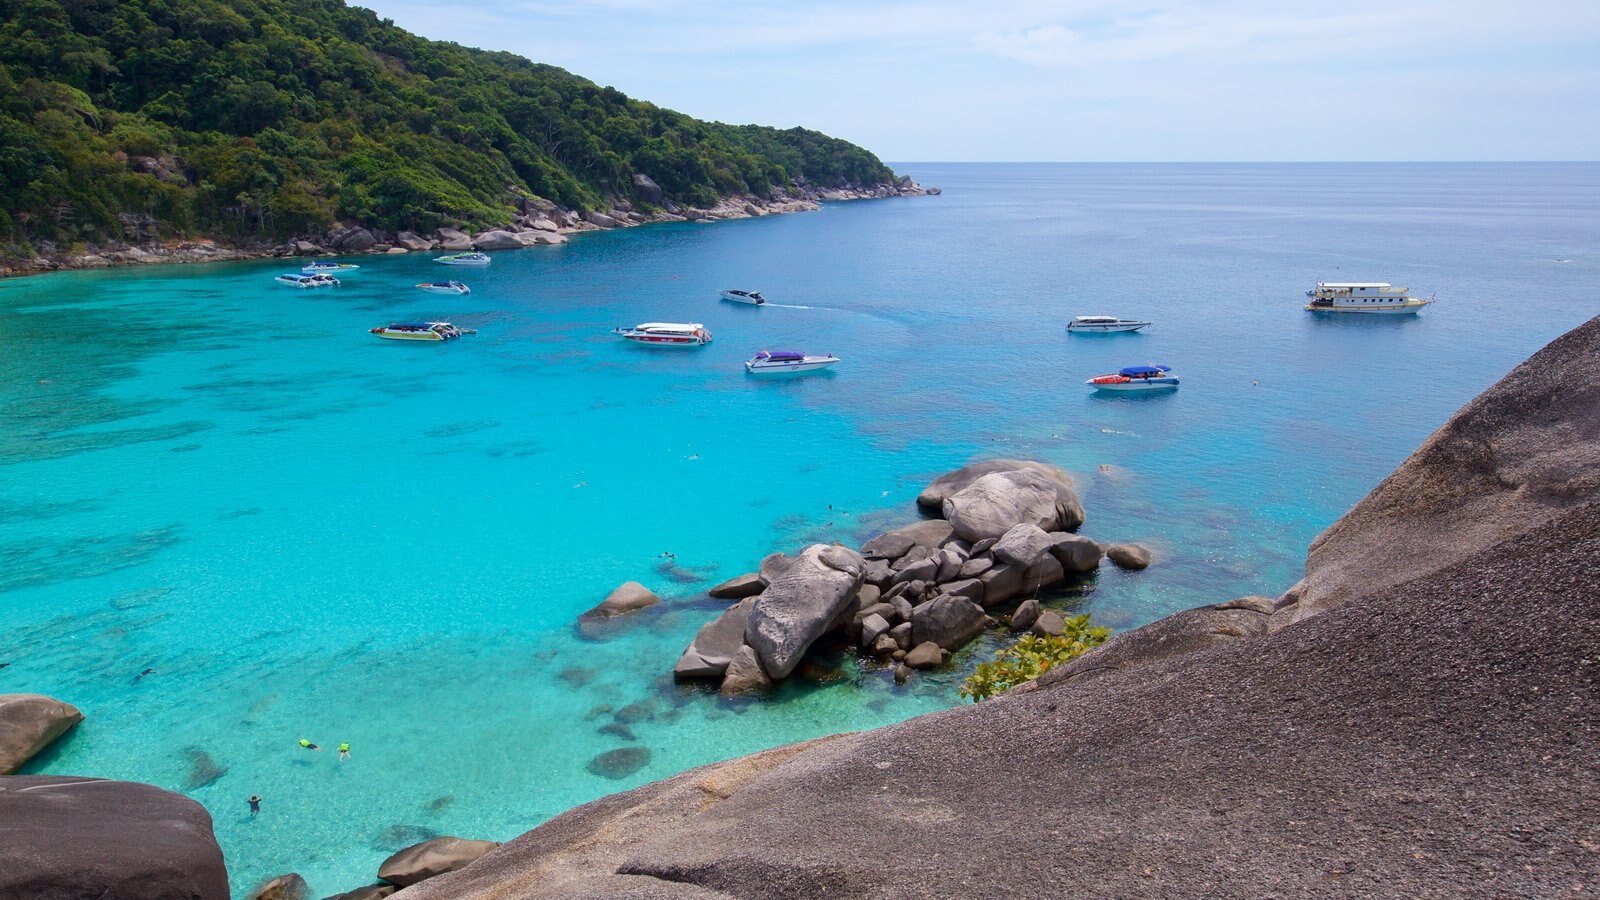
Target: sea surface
column 295, row 530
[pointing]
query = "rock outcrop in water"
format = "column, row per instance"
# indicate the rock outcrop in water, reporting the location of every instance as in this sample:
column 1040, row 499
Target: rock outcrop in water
column 1419, row 728
column 89, row 837
column 922, row 584
column 29, row 723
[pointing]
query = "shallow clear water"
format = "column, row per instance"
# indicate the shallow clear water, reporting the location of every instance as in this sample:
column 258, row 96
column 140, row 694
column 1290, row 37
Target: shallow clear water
column 305, row 531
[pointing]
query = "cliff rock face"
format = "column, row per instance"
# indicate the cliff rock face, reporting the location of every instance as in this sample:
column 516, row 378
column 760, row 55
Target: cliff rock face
column 1514, row 458
column 1430, row 732
column 89, row 837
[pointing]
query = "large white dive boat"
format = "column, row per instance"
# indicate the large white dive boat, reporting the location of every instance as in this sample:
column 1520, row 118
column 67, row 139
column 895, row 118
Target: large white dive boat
column 296, row 280
column 328, row 268
column 1103, row 324
column 753, row 298
column 1135, row 378
column 667, row 334
column 1364, row 297
column 464, row 259
column 774, row 361
column 420, row 331
column 445, row 287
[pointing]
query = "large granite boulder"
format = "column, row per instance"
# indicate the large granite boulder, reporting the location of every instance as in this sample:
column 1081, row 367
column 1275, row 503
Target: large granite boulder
column 1075, row 552
column 933, row 496
column 928, row 533
column 745, row 675
column 992, row 504
column 805, row 601
column 430, row 858
column 948, row 621
column 356, row 240
column 739, row 588
column 89, row 837
column 28, row 724
column 714, row 647
column 600, row 220
column 283, row 887
column 1023, row 545
column 412, row 241
column 629, row 597
column 1129, row 556
column 496, row 240
column 451, row 239
column 646, row 188
column 772, row 566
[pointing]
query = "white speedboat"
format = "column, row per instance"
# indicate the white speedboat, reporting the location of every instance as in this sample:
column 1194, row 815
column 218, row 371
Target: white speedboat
column 445, row 287
column 1371, row 297
column 1136, row 378
column 464, row 259
column 753, row 298
column 420, row 331
column 297, row 280
column 1103, row 325
column 774, row 361
column 328, row 268
column 667, row 334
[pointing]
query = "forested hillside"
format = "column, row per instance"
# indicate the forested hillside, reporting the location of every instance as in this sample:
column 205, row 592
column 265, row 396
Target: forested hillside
column 266, row 118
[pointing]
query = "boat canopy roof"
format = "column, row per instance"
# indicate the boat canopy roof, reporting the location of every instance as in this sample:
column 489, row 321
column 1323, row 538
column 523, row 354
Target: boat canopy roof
column 1132, row 371
column 668, row 326
column 785, row 355
column 1353, row 284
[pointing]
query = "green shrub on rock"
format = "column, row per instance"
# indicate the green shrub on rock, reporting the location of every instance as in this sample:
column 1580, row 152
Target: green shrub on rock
column 1033, row 656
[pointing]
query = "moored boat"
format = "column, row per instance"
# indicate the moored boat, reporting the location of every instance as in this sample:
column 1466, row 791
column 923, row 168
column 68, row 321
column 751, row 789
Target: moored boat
column 464, row 259
column 1135, row 378
column 420, row 331
column 297, row 280
column 1103, row 325
column 1371, row 297
column 328, row 268
column 445, row 287
column 777, row 361
column 753, row 298
column 667, row 334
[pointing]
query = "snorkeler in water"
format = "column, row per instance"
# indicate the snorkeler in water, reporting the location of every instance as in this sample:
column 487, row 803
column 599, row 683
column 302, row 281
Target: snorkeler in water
column 344, row 751
column 308, row 745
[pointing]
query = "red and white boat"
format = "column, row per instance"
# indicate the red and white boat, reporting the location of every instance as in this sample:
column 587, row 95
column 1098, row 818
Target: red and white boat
column 667, row 334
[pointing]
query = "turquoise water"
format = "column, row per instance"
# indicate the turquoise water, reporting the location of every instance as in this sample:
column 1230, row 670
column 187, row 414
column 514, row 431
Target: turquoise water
column 305, row 531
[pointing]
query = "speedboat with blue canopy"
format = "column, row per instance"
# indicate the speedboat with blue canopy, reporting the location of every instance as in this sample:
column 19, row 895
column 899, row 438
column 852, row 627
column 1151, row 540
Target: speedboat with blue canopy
column 329, row 268
column 464, row 259
column 1136, row 378
column 297, row 280
column 774, row 361
column 420, row 331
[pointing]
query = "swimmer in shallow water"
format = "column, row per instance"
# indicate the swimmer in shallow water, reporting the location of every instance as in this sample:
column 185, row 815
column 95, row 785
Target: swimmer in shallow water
column 255, row 804
column 308, row 745
column 344, row 751
column 140, row 677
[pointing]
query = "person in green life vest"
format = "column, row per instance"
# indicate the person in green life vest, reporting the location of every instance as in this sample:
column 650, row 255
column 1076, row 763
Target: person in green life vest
column 344, row 751
column 308, row 745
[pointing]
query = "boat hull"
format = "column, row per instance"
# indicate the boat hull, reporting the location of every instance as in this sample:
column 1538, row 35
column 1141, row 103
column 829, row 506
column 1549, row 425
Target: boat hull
column 743, row 298
column 1410, row 308
column 1134, row 384
column 428, row 288
column 779, row 368
column 410, row 336
column 653, row 340
column 1120, row 327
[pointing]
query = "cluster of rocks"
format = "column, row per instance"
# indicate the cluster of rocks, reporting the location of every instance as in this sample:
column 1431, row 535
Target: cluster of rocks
column 912, row 595
column 538, row 222
column 410, row 866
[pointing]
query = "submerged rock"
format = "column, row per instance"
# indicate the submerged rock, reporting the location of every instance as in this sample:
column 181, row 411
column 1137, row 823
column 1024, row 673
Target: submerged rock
column 397, row 836
column 618, row 763
column 631, row 596
column 1129, row 556
column 203, row 770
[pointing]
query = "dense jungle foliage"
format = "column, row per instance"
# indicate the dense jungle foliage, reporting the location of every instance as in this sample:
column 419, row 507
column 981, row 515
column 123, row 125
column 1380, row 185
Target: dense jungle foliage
column 261, row 118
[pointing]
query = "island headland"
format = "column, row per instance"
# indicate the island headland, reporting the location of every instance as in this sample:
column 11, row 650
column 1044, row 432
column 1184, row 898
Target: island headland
column 1415, row 717
column 151, row 132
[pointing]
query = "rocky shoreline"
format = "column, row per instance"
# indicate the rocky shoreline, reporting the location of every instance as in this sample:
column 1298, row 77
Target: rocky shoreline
column 538, row 223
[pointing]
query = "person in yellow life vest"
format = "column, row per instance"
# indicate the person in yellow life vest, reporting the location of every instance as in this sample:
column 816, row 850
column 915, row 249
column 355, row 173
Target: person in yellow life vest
column 308, row 745
column 344, row 751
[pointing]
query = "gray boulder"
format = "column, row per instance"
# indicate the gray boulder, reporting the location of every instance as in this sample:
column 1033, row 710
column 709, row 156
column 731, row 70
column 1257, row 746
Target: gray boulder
column 926, row 655
column 412, row 242
column 283, row 887
column 1049, row 623
column 933, row 496
column 369, row 892
column 911, row 557
column 890, row 545
column 773, row 565
column 902, row 607
column 878, row 573
column 356, row 240
column 801, row 604
column 872, row 626
column 1023, row 545
column 992, row 504
column 947, row 621
column 496, row 240
column 599, row 220
column 902, row 635
column 975, row 566
column 868, row 595
column 921, row 570
column 970, row 588
column 1026, row 614
column 1129, row 556
column 430, row 858
column 451, row 239
column 950, row 562
column 88, row 837
column 1075, row 552
column 928, row 533
column 630, row 597
column 29, row 723
column 745, row 675
column 646, row 188
column 714, row 647
column 739, row 588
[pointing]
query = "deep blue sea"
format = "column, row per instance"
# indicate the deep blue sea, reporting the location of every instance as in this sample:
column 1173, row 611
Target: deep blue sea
column 307, row 532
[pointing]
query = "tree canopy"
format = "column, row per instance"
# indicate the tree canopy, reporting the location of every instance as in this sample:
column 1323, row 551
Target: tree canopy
column 263, row 118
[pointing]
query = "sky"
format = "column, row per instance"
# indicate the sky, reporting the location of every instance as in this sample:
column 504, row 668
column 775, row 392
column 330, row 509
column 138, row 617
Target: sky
column 1086, row 80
